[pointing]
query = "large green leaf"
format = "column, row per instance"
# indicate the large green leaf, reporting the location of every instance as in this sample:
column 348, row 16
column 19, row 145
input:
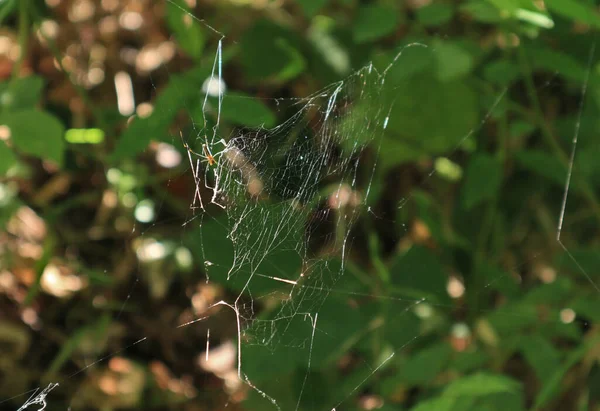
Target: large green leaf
column 270, row 51
column 20, row 93
column 373, row 22
column 37, row 133
column 424, row 113
column 453, row 61
column 246, row 110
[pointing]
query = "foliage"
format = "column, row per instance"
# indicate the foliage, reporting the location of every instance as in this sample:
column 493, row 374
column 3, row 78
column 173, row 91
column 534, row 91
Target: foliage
column 463, row 266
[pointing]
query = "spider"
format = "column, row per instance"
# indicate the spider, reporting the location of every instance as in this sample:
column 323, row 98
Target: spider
column 206, row 153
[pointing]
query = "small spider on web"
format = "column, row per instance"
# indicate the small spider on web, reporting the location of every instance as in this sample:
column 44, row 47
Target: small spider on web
column 213, row 162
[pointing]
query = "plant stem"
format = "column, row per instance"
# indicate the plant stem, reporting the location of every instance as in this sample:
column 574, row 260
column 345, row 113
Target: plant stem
column 23, row 36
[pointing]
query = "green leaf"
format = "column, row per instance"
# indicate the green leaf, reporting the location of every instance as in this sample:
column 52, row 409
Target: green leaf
column 412, row 61
column 245, row 110
column 541, row 355
column 435, row 14
column 424, row 115
column 575, row 10
column 482, row 384
column 453, row 61
column 311, row 7
column 20, row 93
column 543, row 164
column 552, row 387
column 423, row 367
column 37, row 133
column 578, row 260
column 7, row 158
column 420, row 269
column 187, row 30
column 268, row 50
column 556, row 61
column 401, row 325
column 482, row 181
column 373, row 22
column 475, row 393
column 501, row 72
column 588, row 308
column 470, row 361
column 482, row 11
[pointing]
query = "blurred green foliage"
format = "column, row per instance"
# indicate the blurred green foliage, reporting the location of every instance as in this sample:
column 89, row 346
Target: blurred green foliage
column 456, row 270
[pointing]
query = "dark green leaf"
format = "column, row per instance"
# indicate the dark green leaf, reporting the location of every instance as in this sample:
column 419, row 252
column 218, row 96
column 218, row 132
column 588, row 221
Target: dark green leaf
column 424, row 116
column 543, row 164
column 482, row 181
column 541, row 355
column 556, row 61
column 246, row 111
column 583, row 263
column 435, row 14
column 575, row 10
column 423, row 366
column 453, row 61
column 373, row 22
column 268, row 50
column 419, row 269
column 501, row 72
column 483, row 11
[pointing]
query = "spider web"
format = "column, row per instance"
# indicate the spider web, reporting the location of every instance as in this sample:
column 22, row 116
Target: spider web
column 275, row 215
column 277, row 188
